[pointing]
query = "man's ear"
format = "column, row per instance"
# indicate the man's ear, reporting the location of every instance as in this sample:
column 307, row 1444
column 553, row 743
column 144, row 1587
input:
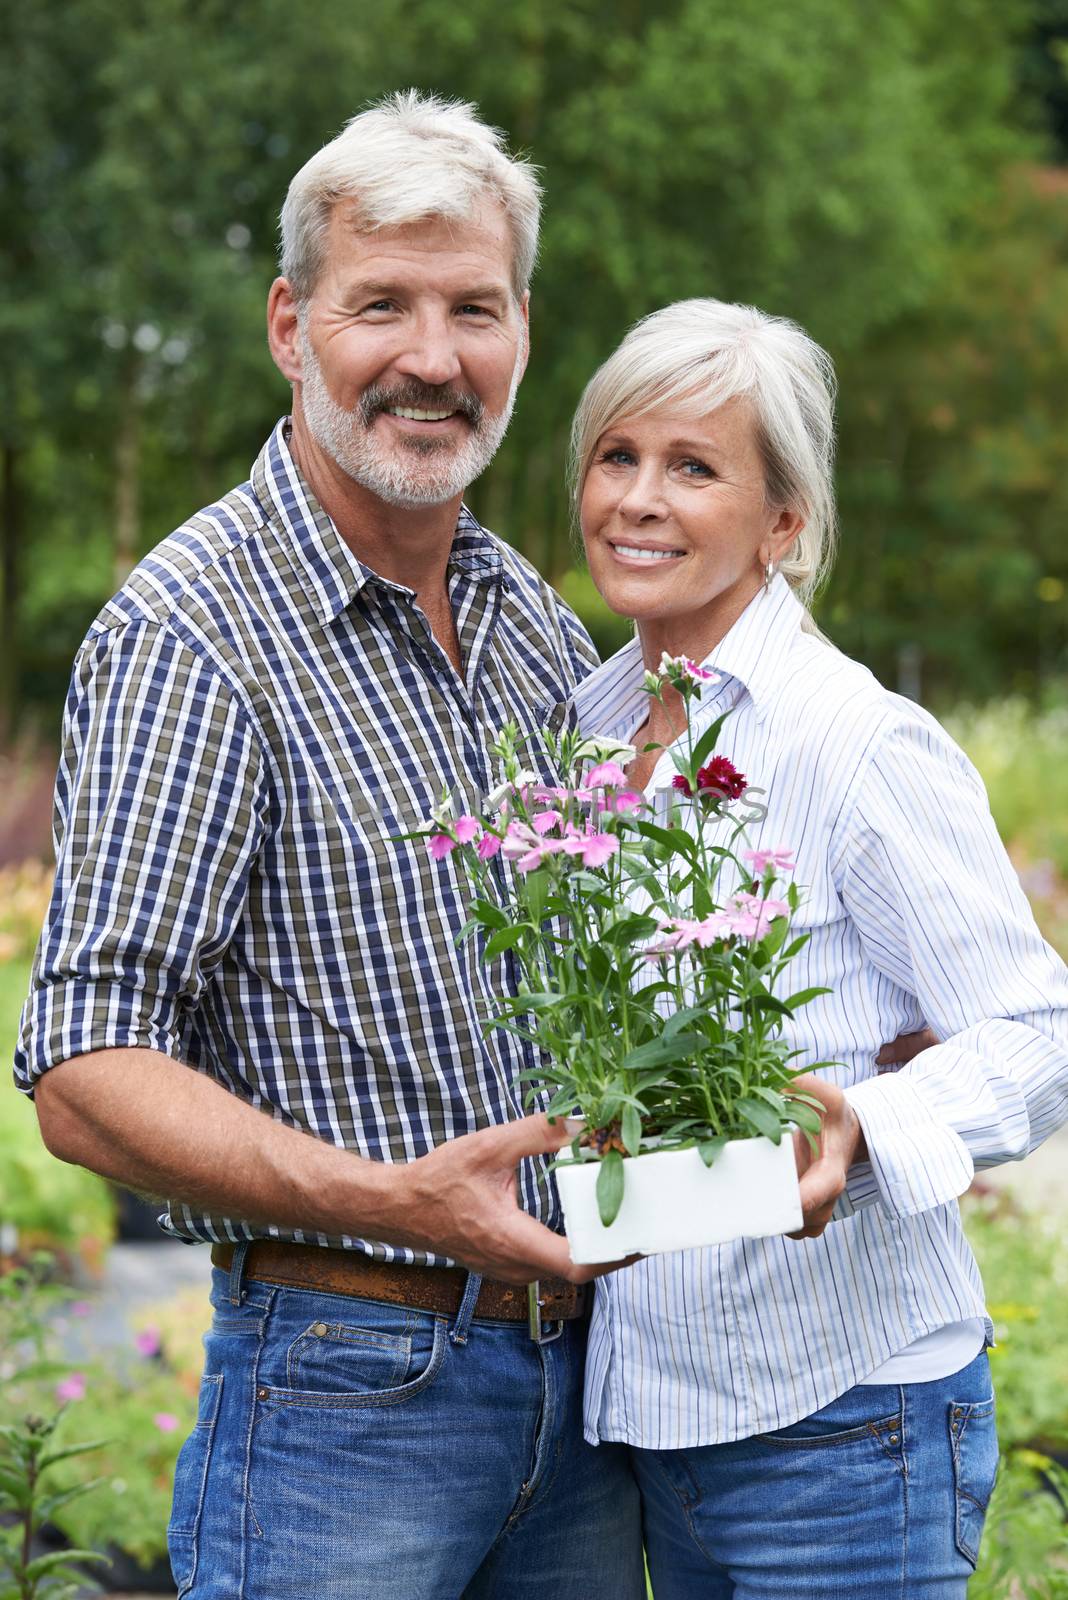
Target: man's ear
column 283, row 331
column 524, row 312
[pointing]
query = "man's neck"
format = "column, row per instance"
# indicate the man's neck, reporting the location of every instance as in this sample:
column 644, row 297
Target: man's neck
column 406, row 545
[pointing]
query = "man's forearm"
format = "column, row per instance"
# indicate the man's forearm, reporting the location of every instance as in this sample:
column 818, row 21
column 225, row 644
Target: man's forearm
column 145, row 1120
column 148, row 1121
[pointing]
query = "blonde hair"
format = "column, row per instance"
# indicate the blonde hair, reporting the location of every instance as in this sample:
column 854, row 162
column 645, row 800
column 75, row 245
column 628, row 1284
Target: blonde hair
column 406, row 158
column 701, row 353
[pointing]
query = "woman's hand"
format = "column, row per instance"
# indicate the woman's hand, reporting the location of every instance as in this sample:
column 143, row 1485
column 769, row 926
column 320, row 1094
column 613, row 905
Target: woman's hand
column 841, row 1143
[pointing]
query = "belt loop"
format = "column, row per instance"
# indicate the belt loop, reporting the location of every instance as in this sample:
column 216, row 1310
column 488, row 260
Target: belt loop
column 237, row 1271
column 461, row 1327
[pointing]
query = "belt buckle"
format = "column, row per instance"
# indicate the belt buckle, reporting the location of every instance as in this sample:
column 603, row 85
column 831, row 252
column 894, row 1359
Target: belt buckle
column 534, row 1321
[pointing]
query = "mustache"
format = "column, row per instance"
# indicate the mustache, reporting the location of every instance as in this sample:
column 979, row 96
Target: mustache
column 415, row 396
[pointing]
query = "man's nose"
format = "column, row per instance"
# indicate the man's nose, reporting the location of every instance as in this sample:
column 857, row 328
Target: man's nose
column 431, row 355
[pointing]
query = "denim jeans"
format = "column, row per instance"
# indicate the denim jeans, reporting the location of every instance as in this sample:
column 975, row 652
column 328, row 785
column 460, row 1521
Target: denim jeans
column 880, row 1495
column 350, row 1450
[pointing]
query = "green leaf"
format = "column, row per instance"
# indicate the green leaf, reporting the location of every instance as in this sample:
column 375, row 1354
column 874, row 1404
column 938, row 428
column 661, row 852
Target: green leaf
column 803, row 996
column 536, row 891
column 682, row 1018
column 610, row 1187
column 762, row 1118
column 506, row 939
column 709, row 1149
column 676, row 840
column 61, row 1559
column 629, row 929
column 52, row 1503
column 70, row 1451
column 632, row 1129
column 660, row 1051
column 707, row 742
column 489, row 915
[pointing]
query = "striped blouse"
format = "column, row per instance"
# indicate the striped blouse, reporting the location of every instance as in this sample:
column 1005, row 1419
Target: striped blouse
column 915, row 917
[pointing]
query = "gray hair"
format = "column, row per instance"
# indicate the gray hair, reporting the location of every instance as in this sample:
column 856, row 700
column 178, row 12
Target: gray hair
column 406, row 158
column 701, row 353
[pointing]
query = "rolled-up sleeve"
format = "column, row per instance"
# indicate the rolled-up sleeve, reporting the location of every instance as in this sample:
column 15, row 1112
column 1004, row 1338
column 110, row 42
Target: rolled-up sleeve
column 160, row 805
column 940, row 912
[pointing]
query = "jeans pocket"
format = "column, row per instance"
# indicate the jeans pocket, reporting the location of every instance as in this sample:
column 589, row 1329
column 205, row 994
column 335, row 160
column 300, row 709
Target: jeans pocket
column 334, row 1356
column 190, row 1481
column 344, row 1367
column 974, row 1442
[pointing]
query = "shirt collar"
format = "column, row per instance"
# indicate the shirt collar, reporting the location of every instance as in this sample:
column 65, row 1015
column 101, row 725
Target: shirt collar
column 752, row 653
column 329, row 571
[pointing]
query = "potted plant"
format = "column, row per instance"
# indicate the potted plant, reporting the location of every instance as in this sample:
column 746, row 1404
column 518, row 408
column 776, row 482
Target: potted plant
column 650, row 947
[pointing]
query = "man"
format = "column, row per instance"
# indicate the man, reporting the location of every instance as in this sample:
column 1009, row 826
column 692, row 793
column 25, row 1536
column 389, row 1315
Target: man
column 278, row 694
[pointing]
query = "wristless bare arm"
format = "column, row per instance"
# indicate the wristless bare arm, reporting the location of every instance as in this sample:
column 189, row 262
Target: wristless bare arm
column 147, row 1121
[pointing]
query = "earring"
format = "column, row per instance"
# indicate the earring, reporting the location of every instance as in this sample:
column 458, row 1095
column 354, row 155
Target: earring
column 769, row 573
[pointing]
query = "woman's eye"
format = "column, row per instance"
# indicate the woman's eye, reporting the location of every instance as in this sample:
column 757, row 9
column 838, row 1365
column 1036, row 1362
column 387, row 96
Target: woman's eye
column 616, row 458
column 696, row 469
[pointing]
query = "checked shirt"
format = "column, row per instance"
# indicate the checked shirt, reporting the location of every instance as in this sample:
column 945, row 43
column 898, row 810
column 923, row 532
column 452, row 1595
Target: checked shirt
column 254, row 721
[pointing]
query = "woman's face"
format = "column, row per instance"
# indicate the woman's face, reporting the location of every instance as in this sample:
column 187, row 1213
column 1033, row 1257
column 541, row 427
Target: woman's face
column 676, row 525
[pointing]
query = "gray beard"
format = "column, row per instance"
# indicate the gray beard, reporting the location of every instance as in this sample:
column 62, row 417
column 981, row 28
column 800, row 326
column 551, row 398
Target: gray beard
column 416, row 472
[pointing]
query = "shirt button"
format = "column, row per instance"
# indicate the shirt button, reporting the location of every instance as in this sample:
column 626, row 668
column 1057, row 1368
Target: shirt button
column 320, row 1330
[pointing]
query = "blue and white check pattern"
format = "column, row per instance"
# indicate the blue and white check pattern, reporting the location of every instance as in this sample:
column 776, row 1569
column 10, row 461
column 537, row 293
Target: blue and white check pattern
column 253, row 722
column 915, row 916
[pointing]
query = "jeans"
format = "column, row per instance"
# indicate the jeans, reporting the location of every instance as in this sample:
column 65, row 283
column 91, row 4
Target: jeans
column 350, row 1450
column 880, row 1495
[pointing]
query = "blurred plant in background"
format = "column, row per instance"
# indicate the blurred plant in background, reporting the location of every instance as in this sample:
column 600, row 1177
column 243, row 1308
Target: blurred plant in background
column 891, row 177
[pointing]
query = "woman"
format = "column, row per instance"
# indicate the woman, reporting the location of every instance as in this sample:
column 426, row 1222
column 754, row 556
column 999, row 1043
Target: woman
column 812, row 1416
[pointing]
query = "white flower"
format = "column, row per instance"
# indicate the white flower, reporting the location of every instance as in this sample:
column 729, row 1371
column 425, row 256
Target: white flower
column 598, row 747
column 522, row 779
column 496, row 798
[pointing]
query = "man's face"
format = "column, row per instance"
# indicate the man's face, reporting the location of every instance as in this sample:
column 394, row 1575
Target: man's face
column 412, row 348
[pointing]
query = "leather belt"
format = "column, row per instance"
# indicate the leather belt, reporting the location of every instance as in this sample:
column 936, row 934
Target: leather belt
column 438, row 1289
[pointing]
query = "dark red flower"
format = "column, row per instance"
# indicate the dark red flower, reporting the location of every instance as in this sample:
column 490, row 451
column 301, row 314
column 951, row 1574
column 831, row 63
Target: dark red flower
column 721, row 777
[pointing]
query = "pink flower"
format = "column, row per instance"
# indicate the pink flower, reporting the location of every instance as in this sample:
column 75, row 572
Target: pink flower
column 748, row 916
column 81, row 1308
column 465, row 829
column 147, row 1343
column 166, row 1421
column 488, row 846
column 72, row 1387
column 440, row 845
column 781, row 858
column 599, row 848
column 683, row 667
column 535, row 857
column 607, row 775
column 546, row 821
column 519, row 838
column 621, row 801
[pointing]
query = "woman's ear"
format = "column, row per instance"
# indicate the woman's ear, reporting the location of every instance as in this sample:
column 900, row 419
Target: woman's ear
column 784, row 533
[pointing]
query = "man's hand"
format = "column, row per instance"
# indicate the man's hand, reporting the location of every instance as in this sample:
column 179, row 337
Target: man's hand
column 841, row 1143
column 460, row 1200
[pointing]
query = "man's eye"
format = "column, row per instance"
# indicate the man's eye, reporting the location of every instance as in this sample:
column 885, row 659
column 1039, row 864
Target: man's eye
column 380, row 305
column 475, row 311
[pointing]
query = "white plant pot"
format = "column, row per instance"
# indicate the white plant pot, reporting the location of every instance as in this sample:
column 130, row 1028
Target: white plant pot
column 672, row 1201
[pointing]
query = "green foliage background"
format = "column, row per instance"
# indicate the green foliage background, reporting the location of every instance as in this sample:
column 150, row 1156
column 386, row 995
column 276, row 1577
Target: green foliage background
column 886, row 175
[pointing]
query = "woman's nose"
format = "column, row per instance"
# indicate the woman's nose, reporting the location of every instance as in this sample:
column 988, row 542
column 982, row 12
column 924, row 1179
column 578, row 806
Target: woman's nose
column 644, row 499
